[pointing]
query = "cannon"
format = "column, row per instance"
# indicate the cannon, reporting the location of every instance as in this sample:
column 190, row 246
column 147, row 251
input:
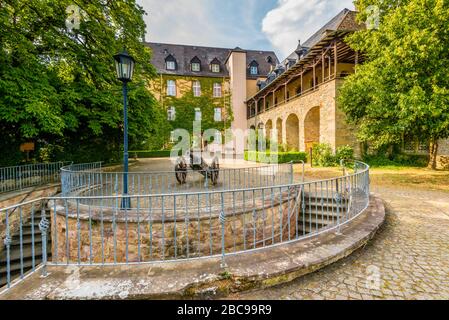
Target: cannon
column 210, row 172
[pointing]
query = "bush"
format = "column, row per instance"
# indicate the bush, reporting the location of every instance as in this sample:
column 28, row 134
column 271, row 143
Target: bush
column 150, row 154
column 397, row 160
column 344, row 153
column 268, row 157
column 47, row 153
column 324, row 157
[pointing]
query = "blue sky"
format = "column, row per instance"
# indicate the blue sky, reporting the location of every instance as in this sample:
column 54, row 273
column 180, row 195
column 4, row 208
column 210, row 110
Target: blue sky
column 250, row 24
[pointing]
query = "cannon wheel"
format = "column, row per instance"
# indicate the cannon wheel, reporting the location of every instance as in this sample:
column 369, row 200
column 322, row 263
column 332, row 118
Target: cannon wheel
column 215, row 168
column 181, row 171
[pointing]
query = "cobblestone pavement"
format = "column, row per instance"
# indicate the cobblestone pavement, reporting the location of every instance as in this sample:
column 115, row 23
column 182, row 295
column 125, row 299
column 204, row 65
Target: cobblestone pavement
column 408, row 258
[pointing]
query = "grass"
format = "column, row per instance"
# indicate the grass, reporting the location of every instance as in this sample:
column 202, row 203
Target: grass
column 401, row 177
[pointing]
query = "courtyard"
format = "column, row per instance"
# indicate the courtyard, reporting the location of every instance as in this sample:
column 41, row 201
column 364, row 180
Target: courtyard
column 323, row 164
column 410, row 251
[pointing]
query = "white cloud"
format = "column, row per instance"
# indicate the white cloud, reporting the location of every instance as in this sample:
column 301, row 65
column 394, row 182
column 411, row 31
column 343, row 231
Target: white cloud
column 177, row 21
column 187, row 22
column 294, row 20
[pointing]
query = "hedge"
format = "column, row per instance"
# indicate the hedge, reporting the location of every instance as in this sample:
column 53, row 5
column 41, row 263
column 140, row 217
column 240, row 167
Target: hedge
column 150, row 154
column 397, row 160
column 282, row 157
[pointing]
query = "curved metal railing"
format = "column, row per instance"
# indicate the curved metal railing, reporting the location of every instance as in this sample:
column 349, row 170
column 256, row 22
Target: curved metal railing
column 185, row 224
column 30, row 175
column 92, row 180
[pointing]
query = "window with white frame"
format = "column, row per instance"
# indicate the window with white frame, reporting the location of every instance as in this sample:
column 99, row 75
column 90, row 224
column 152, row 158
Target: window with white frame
column 215, row 68
column 196, row 67
column 254, row 70
column 170, row 65
column 217, row 90
column 171, row 113
column 197, row 114
column 196, row 88
column 217, row 115
column 171, row 88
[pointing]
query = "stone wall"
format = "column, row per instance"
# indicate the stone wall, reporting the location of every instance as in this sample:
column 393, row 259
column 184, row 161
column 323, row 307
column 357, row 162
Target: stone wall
column 345, row 134
column 26, row 195
column 332, row 125
column 157, row 237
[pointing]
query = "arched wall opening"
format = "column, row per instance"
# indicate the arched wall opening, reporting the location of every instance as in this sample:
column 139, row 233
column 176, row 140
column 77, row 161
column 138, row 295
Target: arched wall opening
column 279, row 130
column 312, row 128
column 268, row 129
column 292, row 132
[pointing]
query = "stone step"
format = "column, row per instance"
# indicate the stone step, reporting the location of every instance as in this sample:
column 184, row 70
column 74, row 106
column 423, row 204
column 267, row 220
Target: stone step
column 15, row 269
column 319, row 213
column 28, row 232
column 320, row 220
column 27, row 240
column 317, row 197
column 15, row 266
column 27, row 253
column 307, row 229
column 325, row 204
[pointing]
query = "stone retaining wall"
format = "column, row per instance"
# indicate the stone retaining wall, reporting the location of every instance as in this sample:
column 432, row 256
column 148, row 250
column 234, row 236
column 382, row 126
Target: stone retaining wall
column 204, row 278
column 156, row 237
column 14, row 198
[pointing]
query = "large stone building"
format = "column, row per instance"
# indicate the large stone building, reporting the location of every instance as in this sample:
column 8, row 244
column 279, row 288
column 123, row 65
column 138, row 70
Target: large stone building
column 293, row 101
column 298, row 99
column 218, row 72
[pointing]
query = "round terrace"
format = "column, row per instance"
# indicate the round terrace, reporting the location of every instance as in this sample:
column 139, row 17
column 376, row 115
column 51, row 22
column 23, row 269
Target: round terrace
column 264, row 213
column 244, row 210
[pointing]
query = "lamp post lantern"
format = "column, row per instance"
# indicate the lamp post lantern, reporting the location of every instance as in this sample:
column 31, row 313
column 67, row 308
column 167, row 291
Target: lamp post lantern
column 124, row 65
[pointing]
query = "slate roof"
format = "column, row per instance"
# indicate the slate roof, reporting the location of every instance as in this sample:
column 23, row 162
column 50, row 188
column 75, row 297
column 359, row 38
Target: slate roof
column 184, row 54
column 332, row 25
column 343, row 21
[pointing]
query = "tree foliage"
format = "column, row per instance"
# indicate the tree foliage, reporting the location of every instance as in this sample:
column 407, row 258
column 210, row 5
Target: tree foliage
column 58, row 86
column 403, row 86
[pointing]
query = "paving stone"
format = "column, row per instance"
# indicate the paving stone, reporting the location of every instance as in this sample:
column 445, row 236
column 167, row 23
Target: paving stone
column 410, row 252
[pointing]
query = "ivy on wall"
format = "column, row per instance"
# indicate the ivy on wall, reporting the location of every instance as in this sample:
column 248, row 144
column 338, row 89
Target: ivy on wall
column 186, row 103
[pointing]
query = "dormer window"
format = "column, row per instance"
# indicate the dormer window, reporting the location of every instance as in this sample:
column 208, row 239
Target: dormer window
column 215, row 66
column 171, row 65
column 195, row 64
column 170, row 62
column 269, row 59
column 254, row 68
column 196, row 67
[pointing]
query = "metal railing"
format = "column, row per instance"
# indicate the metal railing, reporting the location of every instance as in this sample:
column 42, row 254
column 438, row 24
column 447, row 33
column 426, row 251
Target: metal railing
column 179, row 225
column 30, row 175
column 90, row 180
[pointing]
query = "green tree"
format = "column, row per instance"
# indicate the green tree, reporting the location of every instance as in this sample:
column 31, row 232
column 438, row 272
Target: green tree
column 58, row 84
column 403, row 86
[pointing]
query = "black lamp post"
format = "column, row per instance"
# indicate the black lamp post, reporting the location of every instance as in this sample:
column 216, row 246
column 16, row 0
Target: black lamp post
column 124, row 65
